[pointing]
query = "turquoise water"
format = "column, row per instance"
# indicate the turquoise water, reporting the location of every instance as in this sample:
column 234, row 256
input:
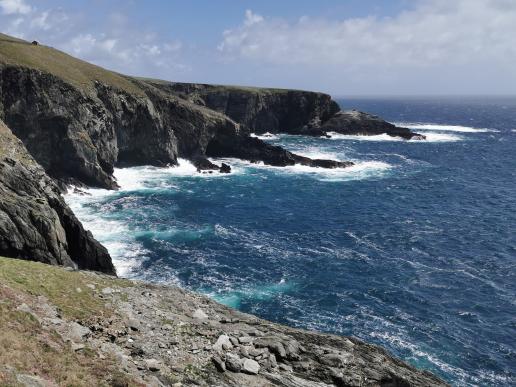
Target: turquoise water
column 414, row 248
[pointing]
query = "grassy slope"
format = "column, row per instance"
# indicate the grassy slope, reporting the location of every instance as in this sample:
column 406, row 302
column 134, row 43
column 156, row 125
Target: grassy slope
column 29, row 348
column 82, row 74
column 79, row 73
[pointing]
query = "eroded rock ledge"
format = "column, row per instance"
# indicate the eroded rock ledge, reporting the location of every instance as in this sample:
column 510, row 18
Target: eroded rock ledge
column 35, row 222
column 121, row 332
column 284, row 111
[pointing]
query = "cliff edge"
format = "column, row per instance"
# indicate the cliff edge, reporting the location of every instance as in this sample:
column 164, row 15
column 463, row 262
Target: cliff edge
column 35, row 222
column 89, row 329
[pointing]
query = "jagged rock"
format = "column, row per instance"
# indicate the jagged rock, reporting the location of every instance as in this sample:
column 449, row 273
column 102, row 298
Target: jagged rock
column 225, row 168
column 273, row 345
column 234, row 363
column 250, row 367
column 353, row 122
column 222, row 342
column 152, row 365
column 35, row 222
column 219, row 363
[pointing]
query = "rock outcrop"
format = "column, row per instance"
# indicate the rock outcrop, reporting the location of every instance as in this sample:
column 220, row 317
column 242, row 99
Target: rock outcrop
column 35, row 222
column 79, row 120
column 165, row 336
column 353, row 122
column 284, row 111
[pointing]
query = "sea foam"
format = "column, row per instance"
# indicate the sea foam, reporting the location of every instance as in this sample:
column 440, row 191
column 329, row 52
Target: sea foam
column 445, row 128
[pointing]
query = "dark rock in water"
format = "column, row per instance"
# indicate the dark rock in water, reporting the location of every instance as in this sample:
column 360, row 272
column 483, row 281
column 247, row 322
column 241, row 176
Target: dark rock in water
column 256, row 150
column 35, row 222
column 225, row 168
column 353, row 122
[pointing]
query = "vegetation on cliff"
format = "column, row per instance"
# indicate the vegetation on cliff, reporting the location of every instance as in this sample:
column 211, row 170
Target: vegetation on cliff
column 81, row 328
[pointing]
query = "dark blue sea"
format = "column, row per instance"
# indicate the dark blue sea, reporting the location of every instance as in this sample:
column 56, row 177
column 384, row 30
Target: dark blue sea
column 413, row 248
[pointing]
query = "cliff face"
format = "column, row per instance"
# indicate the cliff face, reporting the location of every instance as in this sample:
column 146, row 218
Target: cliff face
column 259, row 110
column 35, row 222
column 78, row 136
column 284, row 111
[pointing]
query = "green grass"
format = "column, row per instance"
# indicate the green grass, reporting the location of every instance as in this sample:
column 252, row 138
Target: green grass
column 60, row 286
column 77, row 72
column 29, row 348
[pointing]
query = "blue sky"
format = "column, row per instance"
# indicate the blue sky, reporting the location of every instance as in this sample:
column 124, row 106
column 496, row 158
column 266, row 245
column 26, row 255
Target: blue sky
column 344, row 47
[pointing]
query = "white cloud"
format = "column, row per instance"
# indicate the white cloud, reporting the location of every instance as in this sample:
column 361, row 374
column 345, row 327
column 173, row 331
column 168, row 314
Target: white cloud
column 435, row 32
column 118, row 45
column 10, row 7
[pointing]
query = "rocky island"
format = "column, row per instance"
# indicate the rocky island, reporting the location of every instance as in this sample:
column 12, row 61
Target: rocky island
column 70, row 122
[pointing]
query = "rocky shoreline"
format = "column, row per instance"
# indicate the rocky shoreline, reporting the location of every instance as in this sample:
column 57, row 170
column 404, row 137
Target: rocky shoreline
column 160, row 336
column 71, row 122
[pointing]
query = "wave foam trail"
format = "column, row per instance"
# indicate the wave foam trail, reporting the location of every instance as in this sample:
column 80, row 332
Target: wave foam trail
column 127, row 253
column 444, row 128
column 430, row 137
column 265, row 136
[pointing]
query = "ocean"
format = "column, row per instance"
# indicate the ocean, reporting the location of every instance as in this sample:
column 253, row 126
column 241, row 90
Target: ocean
column 413, row 248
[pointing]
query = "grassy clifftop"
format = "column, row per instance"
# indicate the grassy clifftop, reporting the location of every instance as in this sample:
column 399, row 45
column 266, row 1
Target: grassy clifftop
column 77, row 72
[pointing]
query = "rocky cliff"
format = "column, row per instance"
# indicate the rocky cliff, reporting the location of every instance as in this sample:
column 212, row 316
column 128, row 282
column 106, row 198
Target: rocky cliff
column 87, row 329
column 283, row 111
column 79, row 120
column 35, row 222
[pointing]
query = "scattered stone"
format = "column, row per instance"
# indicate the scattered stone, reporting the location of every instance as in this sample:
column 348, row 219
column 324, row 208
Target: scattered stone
column 200, row 315
column 133, row 324
column 273, row 345
column 251, row 367
column 245, row 339
column 233, row 362
column 77, row 347
column 107, row 291
column 152, row 365
column 234, row 341
column 78, row 290
column 285, row 367
column 219, row 364
column 223, row 342
column 91, row 286
column 77, row 332
column 273, row 361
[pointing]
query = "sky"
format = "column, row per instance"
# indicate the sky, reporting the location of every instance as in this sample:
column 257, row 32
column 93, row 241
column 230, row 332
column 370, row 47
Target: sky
column 343, row 47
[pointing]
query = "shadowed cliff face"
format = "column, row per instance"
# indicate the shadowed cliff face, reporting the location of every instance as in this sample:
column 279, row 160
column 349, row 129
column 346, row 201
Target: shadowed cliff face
column 78, row 136
column 259, row 110
column 35, row 222
column 283, row 111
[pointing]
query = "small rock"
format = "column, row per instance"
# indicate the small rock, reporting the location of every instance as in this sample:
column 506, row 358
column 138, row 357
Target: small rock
column 245, row 339
column 222, row 341
column 233, row 340
column 107, row 291
column 233, row 363
column 200, row 315
column 285, row 367
column 152, row 365
column 225, row 168
column 272, row 360
column 251, row 367
column 77, row 347
column 133, row 324
column 219, row 364
column 78, row 290
column 91, row 286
